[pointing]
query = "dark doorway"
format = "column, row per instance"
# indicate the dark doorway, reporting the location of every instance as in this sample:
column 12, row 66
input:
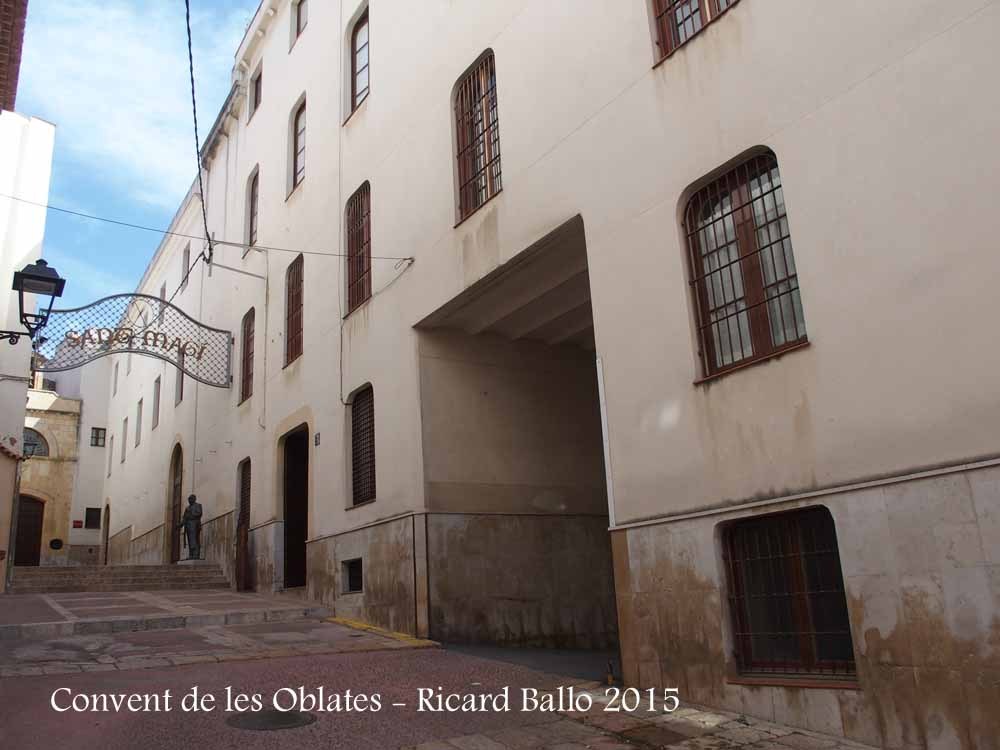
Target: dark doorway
column 243, row 578
column 106, row 532
column 176, row 484
column 296, row 507
column 28, row 545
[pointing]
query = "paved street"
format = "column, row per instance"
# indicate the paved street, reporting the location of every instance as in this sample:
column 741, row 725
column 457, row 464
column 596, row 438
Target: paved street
column 336, row 659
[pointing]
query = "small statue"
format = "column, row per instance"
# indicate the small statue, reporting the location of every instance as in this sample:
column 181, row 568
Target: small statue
column 191, row 523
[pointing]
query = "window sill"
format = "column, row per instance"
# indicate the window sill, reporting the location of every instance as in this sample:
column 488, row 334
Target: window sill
column 361, row 505
column 744, row 365
column 294, row 189
column 807, row 682
column 477, row 209
column 291, row 362
column 687, row 41
column 359, row 307
column 244, row 401
column 355, row 111
column 351, row 593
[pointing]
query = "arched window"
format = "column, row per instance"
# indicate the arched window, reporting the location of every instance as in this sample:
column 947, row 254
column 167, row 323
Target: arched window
column 477, row 136
column 359, row 61
column 742, row 268
column 299, row 145
column 34, row 443
column 359, row 247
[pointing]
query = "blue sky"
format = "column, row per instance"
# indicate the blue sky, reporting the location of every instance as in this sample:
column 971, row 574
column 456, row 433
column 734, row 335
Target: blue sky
column 112, row 76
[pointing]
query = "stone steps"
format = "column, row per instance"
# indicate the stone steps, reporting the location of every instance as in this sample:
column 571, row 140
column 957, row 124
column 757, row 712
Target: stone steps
column 55, row 580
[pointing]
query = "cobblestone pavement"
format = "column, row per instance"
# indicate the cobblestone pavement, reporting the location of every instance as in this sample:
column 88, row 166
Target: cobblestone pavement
column 687, row 728
column 165, row 648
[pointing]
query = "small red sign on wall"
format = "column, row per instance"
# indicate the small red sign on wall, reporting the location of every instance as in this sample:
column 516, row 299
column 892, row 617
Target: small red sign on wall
column 77, row 524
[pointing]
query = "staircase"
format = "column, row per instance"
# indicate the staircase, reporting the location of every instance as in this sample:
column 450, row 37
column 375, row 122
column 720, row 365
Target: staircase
column 64, row 579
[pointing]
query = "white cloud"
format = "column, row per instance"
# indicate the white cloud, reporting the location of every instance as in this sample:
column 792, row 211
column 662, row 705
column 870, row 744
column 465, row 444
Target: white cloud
column 113, row 76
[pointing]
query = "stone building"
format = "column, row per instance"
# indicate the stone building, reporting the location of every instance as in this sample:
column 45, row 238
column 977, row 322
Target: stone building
column 502, row 277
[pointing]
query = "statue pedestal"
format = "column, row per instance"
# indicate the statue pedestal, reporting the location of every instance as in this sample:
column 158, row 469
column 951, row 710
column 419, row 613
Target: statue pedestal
column 193, row 562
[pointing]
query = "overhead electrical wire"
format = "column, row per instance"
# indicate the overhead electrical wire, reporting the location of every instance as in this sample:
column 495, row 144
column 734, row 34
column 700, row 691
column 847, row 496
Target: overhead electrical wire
column 197, row 140
column 167, row 232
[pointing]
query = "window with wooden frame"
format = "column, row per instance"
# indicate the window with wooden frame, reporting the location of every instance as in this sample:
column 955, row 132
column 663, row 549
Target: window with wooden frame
column 293, row 311
column 301, row 11
column 359, row 61
column 363, row 446
column 253, row 202
column 786, row 595
column 477, row 137
column 246, row 356
column 677, row 21
column 98, row 436
column 359, row 247
column 743, row 275
column 299, row 145
column 256, row 90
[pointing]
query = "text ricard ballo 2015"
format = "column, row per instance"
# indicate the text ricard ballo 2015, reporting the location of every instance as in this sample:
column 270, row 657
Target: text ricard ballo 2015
column 324, row 700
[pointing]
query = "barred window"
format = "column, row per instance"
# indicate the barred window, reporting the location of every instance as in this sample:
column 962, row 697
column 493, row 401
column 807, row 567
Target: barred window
column 363, row 446
column 246, row 358
column 299, row 145
column 34, row 444
column 253, row 201
column 478, row 137
column 742, row 268
column 353, row 577
column 786, row 595
column 293, row 311
column 677, row 21
column 359, row 247
column 359, row 61
column 256, row 90
column 97, row 436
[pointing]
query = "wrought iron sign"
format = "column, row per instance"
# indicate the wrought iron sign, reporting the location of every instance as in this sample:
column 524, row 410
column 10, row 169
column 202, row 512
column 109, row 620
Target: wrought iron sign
column 138, row 324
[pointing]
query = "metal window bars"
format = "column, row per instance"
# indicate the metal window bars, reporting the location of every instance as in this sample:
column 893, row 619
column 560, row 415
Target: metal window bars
column 359, row 248
column 246, row 355
column 363, row 446
column 742, row 267
column 786, row 595
column 293, row 311
column 677, row 21
column 478, row 137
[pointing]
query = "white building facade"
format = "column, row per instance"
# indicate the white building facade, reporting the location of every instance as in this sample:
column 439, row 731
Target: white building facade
column 504, row 276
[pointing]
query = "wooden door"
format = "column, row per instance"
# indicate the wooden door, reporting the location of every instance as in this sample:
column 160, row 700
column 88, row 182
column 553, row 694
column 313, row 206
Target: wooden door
column 243, row 578
column 176, row 482
column 28, row 545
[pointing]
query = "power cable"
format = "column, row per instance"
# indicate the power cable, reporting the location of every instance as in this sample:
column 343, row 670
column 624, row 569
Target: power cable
column 197, row 140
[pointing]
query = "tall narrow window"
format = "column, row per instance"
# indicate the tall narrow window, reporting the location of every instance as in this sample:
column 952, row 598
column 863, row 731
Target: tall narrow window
column 363, row 446
column 742, row 267
column 252, row 207
column 256, row 89
column 301, row 16
column 359, row 61
column 162, row 305
column 244, row 515
column 111, row 453
column 124, row 437
column 786, row 595
column 185, row 265
column 246, row 360
column 677, row 21
column 179, row 382
column 138, row 422
column 114, row 381
column 359, row 247
column 478, row 137
column 293, row 311
column 299, row 145
column 156, row 402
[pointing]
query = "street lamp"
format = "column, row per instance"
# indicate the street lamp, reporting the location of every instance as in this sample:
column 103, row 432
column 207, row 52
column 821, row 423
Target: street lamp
column 38, row 279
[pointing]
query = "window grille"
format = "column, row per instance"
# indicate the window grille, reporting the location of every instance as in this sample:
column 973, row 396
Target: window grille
column 363, row 446
column 742, row 267
column 478, row 137
column 97, row 436
column 156, row 402
column 786, row 595
column 293, row 311
column 34, row 443
column 359, row 249
column 246, row 359
column 299, row 146
column 677, row 21
column 253, row 209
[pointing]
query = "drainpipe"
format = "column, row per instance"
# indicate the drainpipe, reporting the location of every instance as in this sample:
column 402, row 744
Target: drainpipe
column 607, row 442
